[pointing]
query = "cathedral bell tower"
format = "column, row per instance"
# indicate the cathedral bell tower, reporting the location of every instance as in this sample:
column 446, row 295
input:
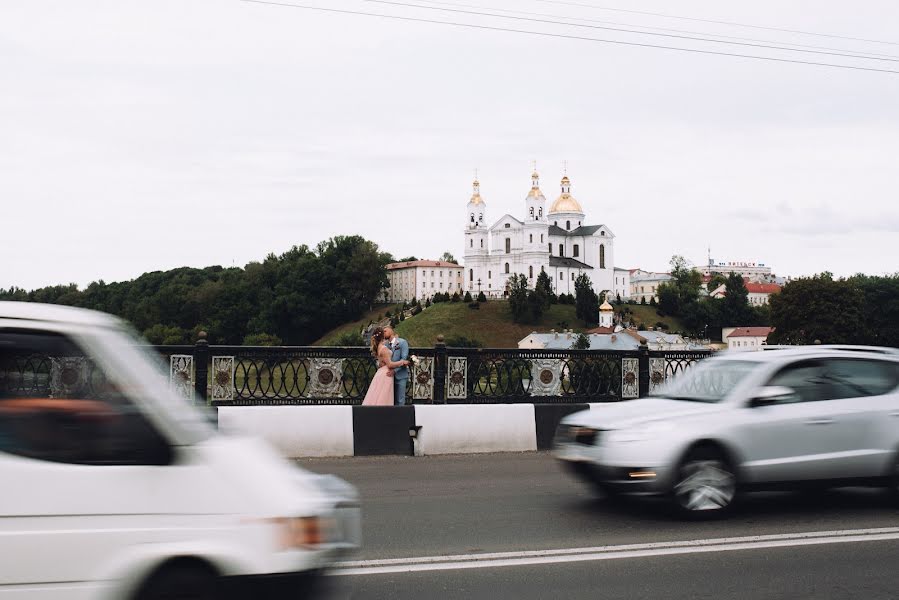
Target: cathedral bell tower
column 535, row 203
column 475, row 223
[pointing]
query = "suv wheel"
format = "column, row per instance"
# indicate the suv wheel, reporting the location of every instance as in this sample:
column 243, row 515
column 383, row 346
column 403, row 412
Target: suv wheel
column 705, row 483
column 180, row 582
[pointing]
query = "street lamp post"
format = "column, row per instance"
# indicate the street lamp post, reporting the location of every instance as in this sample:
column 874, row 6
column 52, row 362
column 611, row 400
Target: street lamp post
column 479, row 286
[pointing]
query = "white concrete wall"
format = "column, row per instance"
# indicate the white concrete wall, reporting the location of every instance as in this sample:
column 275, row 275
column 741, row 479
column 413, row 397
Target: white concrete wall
column 296, row 431
column 475, row 428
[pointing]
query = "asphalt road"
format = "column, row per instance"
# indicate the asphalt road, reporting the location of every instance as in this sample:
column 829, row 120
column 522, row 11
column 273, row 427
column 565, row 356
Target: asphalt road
column 516, row 526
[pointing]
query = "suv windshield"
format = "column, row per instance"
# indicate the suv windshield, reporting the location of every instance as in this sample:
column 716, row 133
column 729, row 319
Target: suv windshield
column 708, row 381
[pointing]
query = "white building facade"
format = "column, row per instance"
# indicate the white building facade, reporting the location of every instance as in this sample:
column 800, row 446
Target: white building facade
column 645, row 284
column 753, row 271
column 556, row 241
column 422, row 279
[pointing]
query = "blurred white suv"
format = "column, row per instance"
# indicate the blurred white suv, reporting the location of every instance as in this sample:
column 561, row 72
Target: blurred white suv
column 801, row 416
column 114, row 487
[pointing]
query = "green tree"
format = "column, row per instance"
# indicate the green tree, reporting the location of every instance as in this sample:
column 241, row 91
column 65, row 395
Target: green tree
column 482, row 297
column 544, row 289
column 523, row 303
column 818, row 308
column 586, row 302
column 468, row 298
column 735, row 308
column 446, row 256
column 581, row 342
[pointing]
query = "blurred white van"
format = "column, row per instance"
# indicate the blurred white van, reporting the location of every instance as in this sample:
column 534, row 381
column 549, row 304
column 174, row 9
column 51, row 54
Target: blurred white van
column 113, row 487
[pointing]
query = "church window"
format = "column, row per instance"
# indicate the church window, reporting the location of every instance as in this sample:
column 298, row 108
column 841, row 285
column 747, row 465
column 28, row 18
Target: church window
column 508, row 245
column 541, row 238
column 572, row 274
column 602, row 256
column 471, row 243
column 550, row 247
column 531, row 271
column 561, row 250
column 540, row 212
column 441, row 273
column 470, row 274
column 602, row 233
column 560, row 275
column 482, row 243
column 432, row 285
column 507, row 267
column 531, row 238
column 568, row 225
column 489, row 274
column 508, row 225
column 576, row 251
column 472, row 217
column 480, row 217
column 532, row 212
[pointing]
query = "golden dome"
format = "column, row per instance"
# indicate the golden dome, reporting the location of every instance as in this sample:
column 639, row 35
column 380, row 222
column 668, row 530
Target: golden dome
column 535, row 193
column 476, row 199
column 606, row 307
column 566, row 204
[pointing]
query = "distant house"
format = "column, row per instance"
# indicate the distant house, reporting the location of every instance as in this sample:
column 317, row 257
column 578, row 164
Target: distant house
column 759, row 293
column 746, row 338
column 603, row 339
column 563, row 341
column 645, row 284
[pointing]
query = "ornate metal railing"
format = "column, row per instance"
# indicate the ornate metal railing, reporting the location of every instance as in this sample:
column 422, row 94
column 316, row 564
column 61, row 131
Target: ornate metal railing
column 253, row 375
column 258, row 375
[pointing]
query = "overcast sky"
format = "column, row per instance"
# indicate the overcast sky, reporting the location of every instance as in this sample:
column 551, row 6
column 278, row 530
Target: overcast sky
column 146, row 135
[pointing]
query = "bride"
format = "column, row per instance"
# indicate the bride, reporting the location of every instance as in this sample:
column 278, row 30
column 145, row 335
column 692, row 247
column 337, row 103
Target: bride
column 380, row 391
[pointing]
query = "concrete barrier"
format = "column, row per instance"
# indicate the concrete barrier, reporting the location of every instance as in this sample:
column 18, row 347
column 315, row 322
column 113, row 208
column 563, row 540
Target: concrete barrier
column 472, row 428
column 296, row 431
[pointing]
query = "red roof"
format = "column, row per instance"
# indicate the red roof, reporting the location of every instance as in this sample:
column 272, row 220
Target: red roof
column 762, row 288
column 601, row 330
column 420, row 263
column 751, row 332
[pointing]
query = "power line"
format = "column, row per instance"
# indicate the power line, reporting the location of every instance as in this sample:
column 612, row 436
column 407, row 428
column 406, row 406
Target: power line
column 569, row 37
column 620, row 30
column 860, row 54
column 732, row 23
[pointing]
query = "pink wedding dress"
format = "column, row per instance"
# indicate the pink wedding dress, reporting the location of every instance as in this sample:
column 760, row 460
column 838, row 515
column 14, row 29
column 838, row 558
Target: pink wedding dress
column 380, row 391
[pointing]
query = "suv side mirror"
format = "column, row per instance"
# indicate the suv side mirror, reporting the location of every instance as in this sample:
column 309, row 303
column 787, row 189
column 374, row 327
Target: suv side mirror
column 771, row 394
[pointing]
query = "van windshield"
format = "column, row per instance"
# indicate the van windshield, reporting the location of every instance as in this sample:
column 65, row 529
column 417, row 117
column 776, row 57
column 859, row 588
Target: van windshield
column 143, row 370
column 707, row 381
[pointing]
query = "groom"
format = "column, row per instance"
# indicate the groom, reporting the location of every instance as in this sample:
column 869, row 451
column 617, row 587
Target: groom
column 400, row 349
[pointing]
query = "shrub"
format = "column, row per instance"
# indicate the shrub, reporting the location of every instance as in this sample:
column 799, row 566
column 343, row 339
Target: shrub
column 460, row 341
column 348, row 338
column 262, row 339
column 482, row 297
column 402, row 316
column 416, row 310
column 467, row 297
column 455, row 297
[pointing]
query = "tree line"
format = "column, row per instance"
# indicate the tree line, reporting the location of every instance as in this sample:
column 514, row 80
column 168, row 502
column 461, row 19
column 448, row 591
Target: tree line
column 292, row 298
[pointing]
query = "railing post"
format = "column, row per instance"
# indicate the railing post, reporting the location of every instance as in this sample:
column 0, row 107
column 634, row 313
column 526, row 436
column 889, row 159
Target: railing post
column 201, row 366
column 440, row 371
column 643, row 372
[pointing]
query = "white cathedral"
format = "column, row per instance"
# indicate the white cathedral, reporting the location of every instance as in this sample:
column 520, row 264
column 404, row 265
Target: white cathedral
column 556, row 241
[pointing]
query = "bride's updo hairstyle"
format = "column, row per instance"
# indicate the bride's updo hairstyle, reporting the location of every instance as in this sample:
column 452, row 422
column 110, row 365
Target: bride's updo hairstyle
column 377, row 336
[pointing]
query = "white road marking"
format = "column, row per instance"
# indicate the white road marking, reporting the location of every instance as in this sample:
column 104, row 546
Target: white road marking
column 566, row 555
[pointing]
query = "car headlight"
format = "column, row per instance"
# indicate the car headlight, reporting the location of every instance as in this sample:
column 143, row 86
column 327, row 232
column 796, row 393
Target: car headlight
column 639, row 433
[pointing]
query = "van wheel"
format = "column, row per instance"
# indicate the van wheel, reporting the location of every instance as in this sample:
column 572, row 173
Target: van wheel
column 180, row 582
column 705, row 485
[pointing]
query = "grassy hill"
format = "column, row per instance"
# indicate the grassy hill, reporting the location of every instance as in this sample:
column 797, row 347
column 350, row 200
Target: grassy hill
column 356, row 326
column 491, row 325
column 646, row 314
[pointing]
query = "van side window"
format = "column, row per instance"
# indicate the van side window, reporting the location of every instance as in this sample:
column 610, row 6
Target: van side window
column 58, row 405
